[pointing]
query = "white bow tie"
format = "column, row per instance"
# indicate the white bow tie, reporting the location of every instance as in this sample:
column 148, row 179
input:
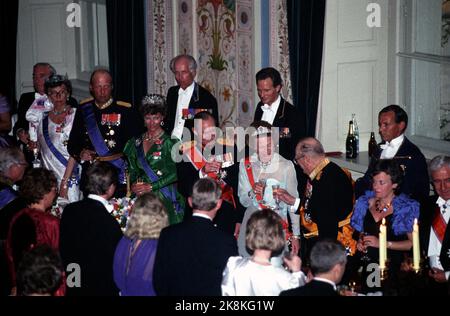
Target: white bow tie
column 38, row 95
column 266, row 108
column 387, row 145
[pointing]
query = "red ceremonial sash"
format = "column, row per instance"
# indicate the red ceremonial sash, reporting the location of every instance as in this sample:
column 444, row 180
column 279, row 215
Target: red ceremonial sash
column 251, row 179
column 439, row 225
column 198, row 161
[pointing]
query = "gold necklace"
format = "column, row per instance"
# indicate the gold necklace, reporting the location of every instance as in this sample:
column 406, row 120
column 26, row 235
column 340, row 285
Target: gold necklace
column 382, row 209
column 148, row 138
column 104, row 106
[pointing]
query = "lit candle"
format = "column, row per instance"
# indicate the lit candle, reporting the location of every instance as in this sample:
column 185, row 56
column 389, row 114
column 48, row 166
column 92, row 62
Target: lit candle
column 416, row 246
column 382, row 244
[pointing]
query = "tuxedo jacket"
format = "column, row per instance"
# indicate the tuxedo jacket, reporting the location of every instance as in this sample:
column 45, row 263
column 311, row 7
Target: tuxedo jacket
column 313, row 288
column 427, row 214
column 190, row 259
column 415, row 181
column 228, row 215
column 201, row 99
column 26, row 99
column 288, row 116
column 88, row 237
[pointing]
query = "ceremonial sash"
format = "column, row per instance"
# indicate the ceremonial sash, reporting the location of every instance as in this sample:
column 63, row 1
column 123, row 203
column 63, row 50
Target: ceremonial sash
column 198, row 161
column 439, row 226
column 6, row 195
column 169, row 194
column 56, row 152
column 97, row 139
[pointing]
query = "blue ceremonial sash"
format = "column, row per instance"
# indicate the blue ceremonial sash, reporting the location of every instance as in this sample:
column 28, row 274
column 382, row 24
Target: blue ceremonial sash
column 6, row 196
column 97, row 140
column 56, row 152
column 168, row 194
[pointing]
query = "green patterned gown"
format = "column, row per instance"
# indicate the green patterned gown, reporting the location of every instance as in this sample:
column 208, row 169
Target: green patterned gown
column 159, row 159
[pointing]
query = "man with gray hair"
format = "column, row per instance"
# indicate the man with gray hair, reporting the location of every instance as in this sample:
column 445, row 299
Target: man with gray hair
column 192, row 255
column 187, row 98
column 326, row 203
column 328, row 259
column 435, row 216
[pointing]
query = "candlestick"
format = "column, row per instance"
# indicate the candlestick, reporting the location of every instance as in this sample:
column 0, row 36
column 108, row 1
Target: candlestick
column 416, row 246
column 382, row 245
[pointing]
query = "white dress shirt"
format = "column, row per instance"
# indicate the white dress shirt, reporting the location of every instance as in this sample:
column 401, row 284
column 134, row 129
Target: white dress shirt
column 391, row 148
column 244, row 277
column 434, row 246
column 184, row 97
column 270, row 111
column 105, row 203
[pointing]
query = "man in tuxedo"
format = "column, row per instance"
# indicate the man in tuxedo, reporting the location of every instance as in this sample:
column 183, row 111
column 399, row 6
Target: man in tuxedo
column 435, row 216
column 216, row 158
column 328, row 260
column 192, row 255
column 102, row 126
column 392, row 122
column 89, row 233
column 187, row 98
column 274, row 109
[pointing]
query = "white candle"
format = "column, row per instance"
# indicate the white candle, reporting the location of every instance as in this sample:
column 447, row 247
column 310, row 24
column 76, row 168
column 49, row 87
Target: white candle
column 382, row 244
column 416, row 246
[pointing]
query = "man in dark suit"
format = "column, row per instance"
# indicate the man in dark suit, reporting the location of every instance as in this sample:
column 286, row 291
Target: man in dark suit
column 328, row 260
column 89, row 234
column 192, row 255
column 434, row 218
column 274, row 109
column 392, row 122
column 219, row 161
column 102, row 126
column 187, row 98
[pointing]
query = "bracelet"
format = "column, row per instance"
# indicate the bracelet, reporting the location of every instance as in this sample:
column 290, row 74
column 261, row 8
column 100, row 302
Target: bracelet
column 295, row 236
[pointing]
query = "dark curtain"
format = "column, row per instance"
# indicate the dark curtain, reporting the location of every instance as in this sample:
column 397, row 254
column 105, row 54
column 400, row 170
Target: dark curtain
column 127, row 49
column 9, row 15
column 306, row 29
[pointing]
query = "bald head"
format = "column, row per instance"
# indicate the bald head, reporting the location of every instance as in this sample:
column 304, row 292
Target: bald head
column 308, row 154
column 101, row 85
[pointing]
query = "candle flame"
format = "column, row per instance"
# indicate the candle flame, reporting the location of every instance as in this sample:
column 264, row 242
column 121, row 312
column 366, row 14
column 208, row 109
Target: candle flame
column 383, row 222
column 415, row 221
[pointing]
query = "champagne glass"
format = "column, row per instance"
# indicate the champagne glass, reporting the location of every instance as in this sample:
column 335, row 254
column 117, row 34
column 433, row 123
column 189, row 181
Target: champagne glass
column 275, row 189
column 36, row 162
column 262, row 182
column 365, row 257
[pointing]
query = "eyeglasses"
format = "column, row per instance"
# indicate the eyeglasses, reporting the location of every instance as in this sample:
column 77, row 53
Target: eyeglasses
column 296, row 159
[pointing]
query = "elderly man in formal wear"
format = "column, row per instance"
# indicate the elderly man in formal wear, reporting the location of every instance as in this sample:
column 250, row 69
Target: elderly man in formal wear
column 392, row 122
column 434, row 218
column 186, row 99
column 102, row 126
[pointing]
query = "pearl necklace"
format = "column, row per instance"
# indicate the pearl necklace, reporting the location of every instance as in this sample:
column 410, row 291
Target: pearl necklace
column 60, row 112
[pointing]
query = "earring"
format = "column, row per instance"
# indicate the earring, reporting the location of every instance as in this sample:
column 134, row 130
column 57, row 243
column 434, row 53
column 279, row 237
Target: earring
column 162, row 123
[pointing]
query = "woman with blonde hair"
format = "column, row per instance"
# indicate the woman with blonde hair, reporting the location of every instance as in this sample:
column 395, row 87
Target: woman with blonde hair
column 135, row 253
column 257, row 276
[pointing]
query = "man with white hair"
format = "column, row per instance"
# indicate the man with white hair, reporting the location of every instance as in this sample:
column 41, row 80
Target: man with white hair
column 434, row 218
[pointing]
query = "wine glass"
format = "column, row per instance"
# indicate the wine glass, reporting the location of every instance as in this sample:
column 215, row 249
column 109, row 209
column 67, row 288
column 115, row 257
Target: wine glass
column 36, row 162
column 365, row 257
column 275, row 188
column 262, row 182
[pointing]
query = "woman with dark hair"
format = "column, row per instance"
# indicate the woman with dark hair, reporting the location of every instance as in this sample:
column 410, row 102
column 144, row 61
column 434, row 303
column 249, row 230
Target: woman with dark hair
column 52, row 120
column 397, row 209
column 32, row 225
column 256, row 275
column 151, row 166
